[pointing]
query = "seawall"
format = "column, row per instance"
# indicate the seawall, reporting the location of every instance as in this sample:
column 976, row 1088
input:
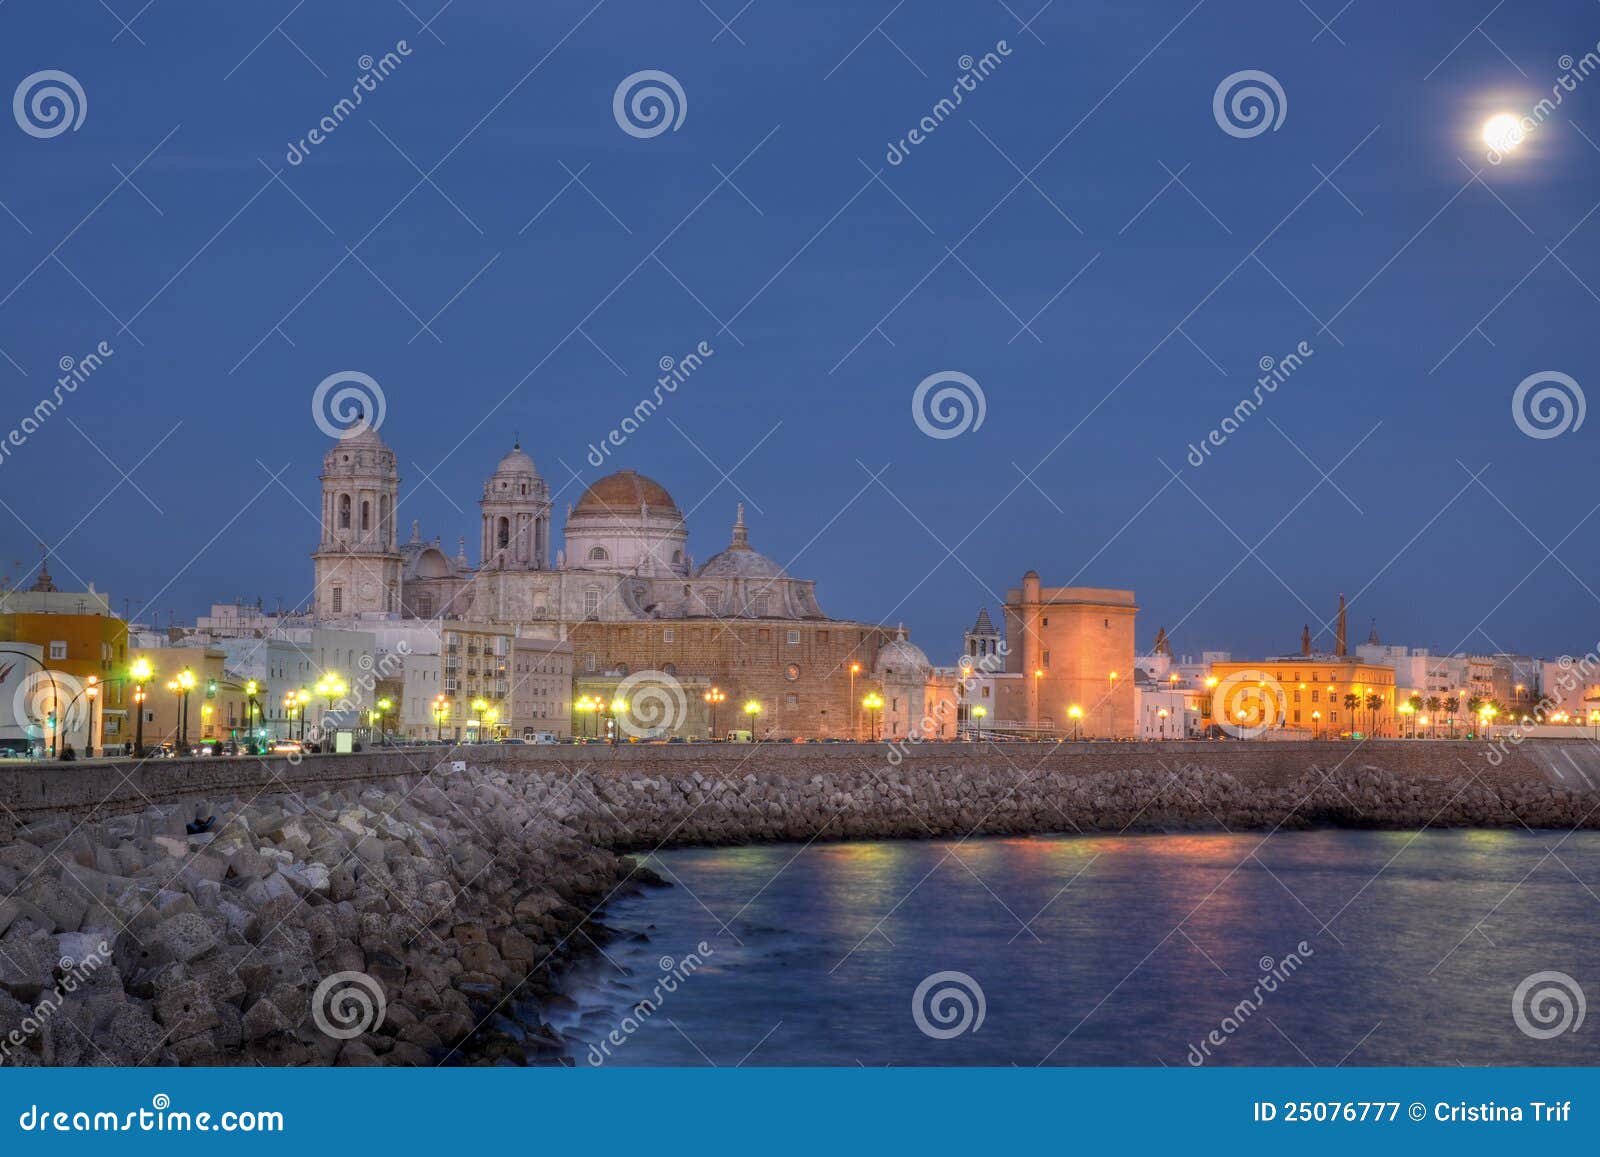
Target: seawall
column 393, row 909
column 108, row 787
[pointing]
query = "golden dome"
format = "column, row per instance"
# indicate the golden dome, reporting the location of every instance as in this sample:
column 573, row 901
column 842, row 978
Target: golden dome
column 624, row 491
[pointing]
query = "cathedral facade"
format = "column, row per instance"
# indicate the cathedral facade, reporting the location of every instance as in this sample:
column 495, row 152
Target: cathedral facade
column 622, row 589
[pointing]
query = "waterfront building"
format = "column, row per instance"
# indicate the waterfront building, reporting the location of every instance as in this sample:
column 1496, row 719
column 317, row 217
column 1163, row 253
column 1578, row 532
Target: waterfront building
column 81, row 661
column 1306, row 695
column 1074, row 647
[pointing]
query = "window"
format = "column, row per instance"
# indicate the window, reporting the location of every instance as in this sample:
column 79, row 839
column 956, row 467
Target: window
column 58, row 648
column 338, row 600
column 502, row 534
column 366, row 515
column 425, row 606
column 794, row 638
column 791, row 700
column 591, row 603
column 760, row 605
column 669, row 635
column 713, row 601
column 598, row 554
column 1044, row 659
column 1045, row 622
column 588, row 661
column 344, row 512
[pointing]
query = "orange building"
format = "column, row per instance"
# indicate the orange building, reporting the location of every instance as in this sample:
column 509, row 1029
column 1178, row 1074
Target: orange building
column 83, row 647
column 1074, row 647
column 1309, row 694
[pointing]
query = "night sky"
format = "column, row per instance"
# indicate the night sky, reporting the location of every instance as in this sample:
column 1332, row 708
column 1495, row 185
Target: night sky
column 1080, row 236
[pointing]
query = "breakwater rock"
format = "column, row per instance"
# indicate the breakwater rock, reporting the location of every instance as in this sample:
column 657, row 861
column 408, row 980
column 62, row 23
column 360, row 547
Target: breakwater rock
column 393, row 921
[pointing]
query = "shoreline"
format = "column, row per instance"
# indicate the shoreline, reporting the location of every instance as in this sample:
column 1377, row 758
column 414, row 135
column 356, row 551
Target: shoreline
column 447, row 900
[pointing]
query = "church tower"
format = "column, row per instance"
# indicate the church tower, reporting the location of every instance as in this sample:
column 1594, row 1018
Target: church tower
column 358, row 560
column 516, row 516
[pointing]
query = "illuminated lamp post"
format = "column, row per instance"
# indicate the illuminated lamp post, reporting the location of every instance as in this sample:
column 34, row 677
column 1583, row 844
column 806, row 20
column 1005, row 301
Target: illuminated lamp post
column 141, row 673
column 1316, row 725
column 479, row 706
column 873, row 702
column 1075, row 713
column 441, row 712
column 752, row 709
column 716, row 695
column 855, row 713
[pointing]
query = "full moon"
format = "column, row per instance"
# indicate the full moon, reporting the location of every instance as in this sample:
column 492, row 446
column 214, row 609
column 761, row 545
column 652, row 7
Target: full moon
column 1502, row 132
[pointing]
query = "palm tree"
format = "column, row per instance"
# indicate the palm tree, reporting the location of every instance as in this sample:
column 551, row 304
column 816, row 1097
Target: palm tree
column 1352, row 704
column 1374, row 702
column 1433, row 704
column 1452, row 704
column 1416, row 705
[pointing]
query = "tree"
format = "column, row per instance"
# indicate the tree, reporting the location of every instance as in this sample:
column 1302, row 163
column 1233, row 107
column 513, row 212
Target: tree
column 1374, row 703
column 1416, row 704
column 1434, row 703
column 1352, row 704
column 1452, row 704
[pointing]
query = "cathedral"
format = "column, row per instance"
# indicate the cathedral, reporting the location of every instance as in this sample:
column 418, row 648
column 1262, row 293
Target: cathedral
column 623, row 590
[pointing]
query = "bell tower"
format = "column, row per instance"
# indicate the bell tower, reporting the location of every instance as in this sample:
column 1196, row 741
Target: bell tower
column 516, row 516
column 357, row 562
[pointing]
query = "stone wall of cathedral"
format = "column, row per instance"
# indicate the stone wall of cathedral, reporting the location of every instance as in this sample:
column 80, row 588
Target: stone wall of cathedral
column 798, row 671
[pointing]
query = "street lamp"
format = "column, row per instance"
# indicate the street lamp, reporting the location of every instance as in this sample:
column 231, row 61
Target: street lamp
column 855, row 714
column 251, row 688
column 873, row 702
column 752, row 709
column 141, row 673
column 619, row 709
column 1594, row 718
column 717, row 695
column 479, row 706
column 1161, row 713
column 586, row 707
column 1316, row 724
column 979, row 711
column 182, row 685
column 1075, row 713
column 492, row 715
column 1407, row 710
column 301, row 697
column 441, row 712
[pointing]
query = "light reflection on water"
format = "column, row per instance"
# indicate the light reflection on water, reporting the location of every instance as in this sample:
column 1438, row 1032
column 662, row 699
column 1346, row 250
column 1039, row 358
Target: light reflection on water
column 1119, row 950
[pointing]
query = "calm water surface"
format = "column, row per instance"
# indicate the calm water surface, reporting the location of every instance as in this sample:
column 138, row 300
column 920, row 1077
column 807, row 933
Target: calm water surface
column 1122, row 950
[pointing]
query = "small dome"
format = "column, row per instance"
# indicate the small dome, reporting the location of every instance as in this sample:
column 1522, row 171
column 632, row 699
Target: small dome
column 740, row 563
column 625, row 491
column 739, row 560
column 516, row 462
column 902, row 656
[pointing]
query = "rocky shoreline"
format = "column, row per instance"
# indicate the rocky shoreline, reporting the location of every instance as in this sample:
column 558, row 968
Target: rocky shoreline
column 426, row 920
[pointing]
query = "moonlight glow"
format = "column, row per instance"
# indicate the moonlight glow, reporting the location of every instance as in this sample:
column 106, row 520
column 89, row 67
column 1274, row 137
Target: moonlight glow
column 1502, row 132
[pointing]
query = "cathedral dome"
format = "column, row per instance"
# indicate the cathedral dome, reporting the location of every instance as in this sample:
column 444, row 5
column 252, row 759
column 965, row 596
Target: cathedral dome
column 516, row 462
column 625, row 491
column 902, row 657
column 740, row 560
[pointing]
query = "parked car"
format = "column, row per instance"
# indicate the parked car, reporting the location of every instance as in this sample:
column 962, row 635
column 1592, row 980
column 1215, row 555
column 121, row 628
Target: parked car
column 287, row 747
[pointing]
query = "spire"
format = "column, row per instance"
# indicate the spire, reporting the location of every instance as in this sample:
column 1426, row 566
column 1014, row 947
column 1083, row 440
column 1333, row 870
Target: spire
column 1305, row 639
column 741, row 536
column 1339, row 647
column 44, row 583
column 1163, row 645
column 1372, row 635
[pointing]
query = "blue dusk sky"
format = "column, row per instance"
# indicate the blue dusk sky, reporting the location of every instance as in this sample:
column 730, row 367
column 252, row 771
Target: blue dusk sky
column 1106, row 255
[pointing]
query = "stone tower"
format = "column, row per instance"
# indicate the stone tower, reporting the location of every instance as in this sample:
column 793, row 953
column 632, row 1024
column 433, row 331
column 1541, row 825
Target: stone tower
column 516, row 516
column 357, row 563
column 983, row 637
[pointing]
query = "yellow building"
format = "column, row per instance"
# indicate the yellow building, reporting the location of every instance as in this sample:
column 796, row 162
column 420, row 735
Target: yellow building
column 1318, row 696
column 83, row 649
